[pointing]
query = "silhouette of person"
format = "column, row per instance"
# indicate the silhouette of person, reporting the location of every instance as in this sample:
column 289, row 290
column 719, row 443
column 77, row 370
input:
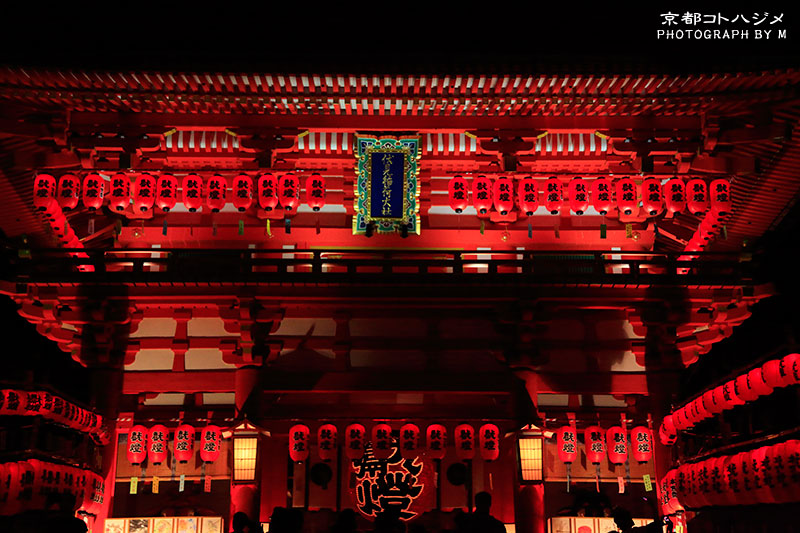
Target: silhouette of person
column 345, row 522
column 624, row 521
column 482, row 521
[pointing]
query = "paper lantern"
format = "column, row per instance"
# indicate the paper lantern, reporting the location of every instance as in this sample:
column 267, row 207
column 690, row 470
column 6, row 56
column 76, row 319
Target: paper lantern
column 730, row 396
column 601, row 195
column 166, row 192
column 578, row 196
column 436, row 440
column 93, row 189
column 667, row 433
column 641, row 444
column 788, row 370
column 458, row 193
column 696, row 196
column 464, row 442
column 192, row 192
column 267, row 192
column 137, row 444
column 298, row 443
column 779, row 487
column 527, row 196
column 553, row 195
column 26, row 481
column 157, row 444
column 382, row 446
column 594, row 441
column 617, row 445
column 69, row 191
column 489, row 442
column 44, row 191
column 771, row 373
column 627, row 201
column 409, row 441
column 210, row 443
column 721, row 203
column 791, row 454
column 567, row 442
column 786, row 461
column 743, row 388
column 289, row 192
column 94, row 496
column 327, row 442
column 119, row 195
column 675, row 195
column 757, row 382
column 711, row 403
column 32, row 403
column 680, row 420
column 315, row 191
column 354, row 437
column 10, row 402
column 184, row 443
column 144, row 193
column 4, row 484
column 242, row 192
column 503, row 193
column 217, row 191
column 482, row 194
column 652, row 199
column 764, row 472
column 11, row 481
column 716, row 492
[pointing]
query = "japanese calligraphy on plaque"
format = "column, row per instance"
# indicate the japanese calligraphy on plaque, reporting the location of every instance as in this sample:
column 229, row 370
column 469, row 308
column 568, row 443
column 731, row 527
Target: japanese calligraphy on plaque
column 383, row 484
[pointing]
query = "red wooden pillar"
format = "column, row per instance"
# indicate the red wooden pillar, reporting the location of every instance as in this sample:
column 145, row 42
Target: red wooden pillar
column 106, row 391
column 244, row 496
column 529, row 514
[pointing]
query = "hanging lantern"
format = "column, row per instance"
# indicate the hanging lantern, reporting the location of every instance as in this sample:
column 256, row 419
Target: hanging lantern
column 617, row 445
column 675, row 195
column 527, row 196
column 778, row 473
column 721, row 203
column 10, row 402
column 594, row 444
column 652, row 201
column 458, row 193
column 787, row 472
column 482, row 194
column 119, row 195
column 210, row 443
column 567, row 442
column 716, row 472
column 489, row 441
column 44, row 191
column 664, row 436
column 192, row 192
column 711, row 404
column 217, row 193
column 788, row 370
column 382, row 447
column 578, row 196
column 409, row 441
column 601, row 195
column 327, row 442
column 757, row 383
column 503, row 194
column 743, row 388
column 289, row 191
column 696, row 196
column 32, row 403
column 95, row 489
column 137, row 444
column 641, row 444
column 730, row 396
column 69, row 191
column 679, row 417
column 465, row 442
column 157, row 444
column 242, row 192
column 184, row 443
column 267, row 192
column 764, row 473
column 436, row 439
column 166, row 192
column 144, row 192
column 298, row 443
column 93, row 189
column 553, row 195
column 315, row 191
column 627, row 202
column 354, row 441
column 11, row 482
column 771, row 373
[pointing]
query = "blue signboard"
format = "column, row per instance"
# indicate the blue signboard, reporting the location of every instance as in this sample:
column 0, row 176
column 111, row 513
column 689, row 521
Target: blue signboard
column 386, row 189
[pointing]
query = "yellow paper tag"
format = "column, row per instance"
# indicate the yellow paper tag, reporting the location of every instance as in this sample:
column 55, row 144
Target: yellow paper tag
column 648, row 485
column 155, row 484
column 134, row 485
column 621, row 483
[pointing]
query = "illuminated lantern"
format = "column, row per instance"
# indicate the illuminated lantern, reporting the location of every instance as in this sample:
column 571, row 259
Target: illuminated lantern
column 716, row 493
column 578, row 196
column 617, row 445
column 144, row 193
column 667, row 432
column 553, row 195
column 771, row 372
column 4, row 484
column 436, row 440
column 298, row 443
column 315, row 191
column 779, row 487
column 567, row 441
column 192, row 192
column 489, row 441
column 791, row 454
column 210, row 443
column 32, row 403
column 482, row 194
column 721, row 203
column 594, row 440
column 641, row 444
column 465, row 442
column 675, row 195
column 458, row 193
column 93, row 189
column 69, row 191
column 26, row 481
column 601, row 195
column 527, row 196
column 11, row 482
column 94, row 495
column 730, row 396
column 267, row 192
column 652, row 201
column 626, row 196
column 409, row 441
column 166, row 192
column 757, row 382
column 10, row 402
column 743, row 388
column 44, row 191
column 327, row 441
column 680, row 420
column 382, row 446
column 702, row 482
column 289, row 192
column 711, row 404
column 242, row 192
column 119, row 195
column 789, row 370
column 137, row 444
column 696, row 196
column 764, row 473
column 787, row 471
column 503, row 193
column 217, row 190
column 354, row 437
column 184, row 443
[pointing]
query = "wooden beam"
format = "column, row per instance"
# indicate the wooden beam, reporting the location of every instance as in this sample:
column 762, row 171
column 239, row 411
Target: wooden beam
column 189, row 382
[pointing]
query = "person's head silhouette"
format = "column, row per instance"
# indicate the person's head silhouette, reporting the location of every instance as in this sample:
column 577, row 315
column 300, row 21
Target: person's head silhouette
column 483, row 502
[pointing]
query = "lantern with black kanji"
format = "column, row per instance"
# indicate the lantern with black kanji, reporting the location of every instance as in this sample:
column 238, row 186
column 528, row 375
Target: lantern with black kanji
column 652, row 200
column 567, row 442
column 166, row 192
column 627, row 202
column 210, row 443
column 69, row 191
column 93, row 189
column 482, row 194
column 757, row 382
column 267, row 192
column 32, row 403
column 119, row 195
column 354, row 437
column 617, row 445
column 242, row 192
column 553, row 195
column 696, row 196
column 289, row 192
column 789, row 374
column 217, row 191
column 298, row 443
column 137, row 444
column 465, row 442
column 594, row 441
column 44, row 191
column 601, row 195
column 641, row 444
column 674, row 195
column 192, row 192
column 458, row 193
column 157, row 444
column 436, row 441
column 578, row 196
column 720, row 193
column 503, row 193
column 382, row 441
column 184, row 443
column 744, row 390
column 489, row 441
column 315, row 191
column 327, row 442
column 528, row 196
column 409, row 441
column 10, row 402
column 144, row 193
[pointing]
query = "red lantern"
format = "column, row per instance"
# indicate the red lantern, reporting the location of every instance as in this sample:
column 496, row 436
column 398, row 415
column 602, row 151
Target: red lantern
column 31, row 403
column 527, row 196
column 482, row 194
column 696, row 196
column 641, row 444
column 489, row 441
column 503, row 193
column 210, row 443
column 217, row 193
column 137, row 444
column 354, row 441
column 553, row 195
column 617, row 445
column 667, row 432
column 242, row 192
column 627, row 202
column 716, row 474
column 465, row 442
column 94, row 493
column 11, row 482
column 144, row 193
column 680, row 420
column 578, row 196
column 780, row 487
column 10, row 402
column 298, row 443
column 721, row 203
column 327, row 442
column 267, row 192
column 730, row 396
column 771, row 372
column 567, row 441
column 711, row 404
column 788, row 370
column 119, row 196
column 409, row 441
column 93, row 189
column 44, row 191
column 166, row 192
column 382, row 446
column 69, row 191
column 791, row 455
column 436, row 438
column 743, row 388
column 757, row 382
column 652, row 201
column 315, row 191
column 458, row 193
column 764, row 472
column 157, row 444
column 184, row 443
column 594, row 441
column 192, row 192
column 289, row 191
column 4, row 484
column 675, row 195
column 601, row 195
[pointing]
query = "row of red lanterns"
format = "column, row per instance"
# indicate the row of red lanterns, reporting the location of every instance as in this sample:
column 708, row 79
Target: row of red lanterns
column 748, row 387
column 51, row 212
column 42, row 403
column 601, row 193
column 383, row 443
column 149, row 191
column 153, row 444
column 27, row 484
column 599, row 442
